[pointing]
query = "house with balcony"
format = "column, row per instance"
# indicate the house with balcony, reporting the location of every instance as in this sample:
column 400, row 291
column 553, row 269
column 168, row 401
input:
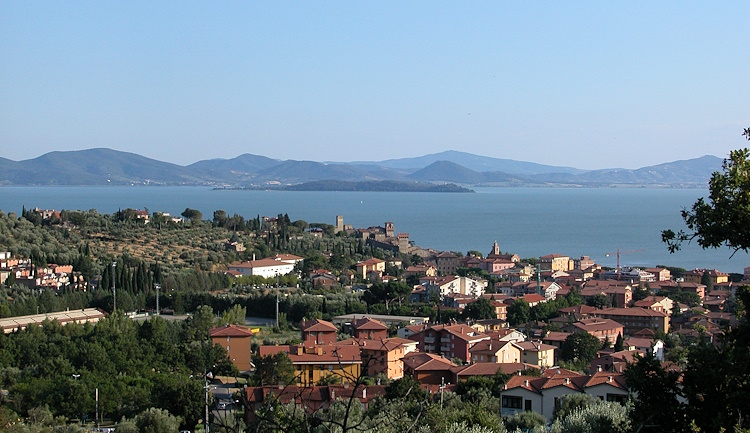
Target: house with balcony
column 450, row 341
column 382, row 356
column 445, row 285
column 312, row 363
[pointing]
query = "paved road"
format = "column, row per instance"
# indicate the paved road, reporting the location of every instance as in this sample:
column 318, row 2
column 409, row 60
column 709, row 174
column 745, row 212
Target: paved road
column 259, row 321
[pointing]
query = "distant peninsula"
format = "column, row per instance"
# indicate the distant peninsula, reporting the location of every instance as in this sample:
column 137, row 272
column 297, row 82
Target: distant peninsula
column 373, row 185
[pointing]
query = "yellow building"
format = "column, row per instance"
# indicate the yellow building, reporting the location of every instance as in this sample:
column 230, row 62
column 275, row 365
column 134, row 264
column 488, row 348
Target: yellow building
column 316, row 362
column 537, row 353
column 555, row 262
column 496, row 351
column 370, row 265
column 697, row 275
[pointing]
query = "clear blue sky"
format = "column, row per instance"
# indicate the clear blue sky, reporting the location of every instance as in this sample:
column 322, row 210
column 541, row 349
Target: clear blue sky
column 582, row 84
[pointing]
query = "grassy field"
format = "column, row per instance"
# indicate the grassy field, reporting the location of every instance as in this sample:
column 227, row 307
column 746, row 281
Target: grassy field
column 267, row 336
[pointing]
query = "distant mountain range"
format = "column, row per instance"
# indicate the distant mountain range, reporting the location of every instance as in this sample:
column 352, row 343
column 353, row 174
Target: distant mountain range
column 111, row 167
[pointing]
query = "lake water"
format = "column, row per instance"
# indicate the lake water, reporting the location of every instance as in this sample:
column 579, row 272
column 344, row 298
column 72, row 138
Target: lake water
column 527, row 221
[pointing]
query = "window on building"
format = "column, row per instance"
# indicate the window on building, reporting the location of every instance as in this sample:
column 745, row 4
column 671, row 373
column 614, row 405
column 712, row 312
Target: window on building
column 619, row 398
column 511, row 402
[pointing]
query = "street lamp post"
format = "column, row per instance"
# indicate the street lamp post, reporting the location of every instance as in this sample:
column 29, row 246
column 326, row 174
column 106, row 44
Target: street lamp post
column 157, row 287
column 206, row 418
column 76, row 377
column 114, row 292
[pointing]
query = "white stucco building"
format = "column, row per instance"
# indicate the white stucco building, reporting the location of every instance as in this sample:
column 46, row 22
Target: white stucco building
column 281, row 264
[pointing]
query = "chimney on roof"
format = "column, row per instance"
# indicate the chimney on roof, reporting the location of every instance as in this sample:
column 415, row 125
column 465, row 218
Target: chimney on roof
column 609, row 378
column 599, row 368
column 364, row 393
column 525, row 383
column 567, row 380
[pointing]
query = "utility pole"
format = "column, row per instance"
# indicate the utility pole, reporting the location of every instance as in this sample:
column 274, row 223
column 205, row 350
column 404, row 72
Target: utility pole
column 76, row 377
column 538, row 279
column 206, row 389
column 114, row 292
column 157, row 286
column 442, row 387
column 97, row 409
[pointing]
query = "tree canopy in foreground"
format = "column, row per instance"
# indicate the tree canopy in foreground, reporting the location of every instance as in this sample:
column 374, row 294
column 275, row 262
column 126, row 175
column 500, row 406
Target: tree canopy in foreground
column 725, row 219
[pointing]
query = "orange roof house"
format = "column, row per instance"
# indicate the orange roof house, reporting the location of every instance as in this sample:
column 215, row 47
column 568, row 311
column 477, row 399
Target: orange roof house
column 539, row 394
column 237, row 342
column 373, row 265
column 384, row 356
column 603, row 329
column 496, row 351
column 428, row 368
column 367, row 328
column 318, row 331
column 316, row 362
column 537, row 353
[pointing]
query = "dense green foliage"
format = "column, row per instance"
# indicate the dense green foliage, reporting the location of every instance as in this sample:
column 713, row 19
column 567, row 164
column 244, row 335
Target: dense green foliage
column 725, row 219
column 579, row 349
column 133, row 365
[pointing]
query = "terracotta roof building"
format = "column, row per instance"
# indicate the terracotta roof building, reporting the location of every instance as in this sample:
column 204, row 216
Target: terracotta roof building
column 237, row 342
column 318, row 331
column 314, row 363
column 540, row 394
column 428, row 368
column 635, row 319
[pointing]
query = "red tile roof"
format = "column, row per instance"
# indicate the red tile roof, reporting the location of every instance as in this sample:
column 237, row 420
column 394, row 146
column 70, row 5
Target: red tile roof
column 533, row 346
column 421, row 361
column 230, row 331
column 614, row 379
column 318, row 325
column 367, row 324
column 325, row 354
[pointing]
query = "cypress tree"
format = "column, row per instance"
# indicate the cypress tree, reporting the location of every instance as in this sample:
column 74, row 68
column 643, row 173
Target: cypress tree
column 619, row 344
column 106, row 278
